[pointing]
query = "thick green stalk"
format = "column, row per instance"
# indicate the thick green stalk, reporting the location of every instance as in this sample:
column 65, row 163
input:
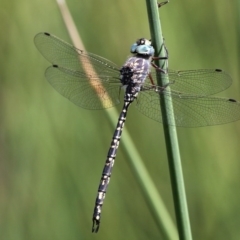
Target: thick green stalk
column 170, row 133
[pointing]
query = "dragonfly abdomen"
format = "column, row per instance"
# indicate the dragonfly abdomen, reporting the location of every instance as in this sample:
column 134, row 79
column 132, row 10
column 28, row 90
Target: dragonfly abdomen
column 107, row 171
column 132, row 75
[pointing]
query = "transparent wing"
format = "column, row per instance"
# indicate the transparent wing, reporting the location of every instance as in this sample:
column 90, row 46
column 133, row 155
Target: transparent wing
column 189, row 110
column 91, row 81
column 87, row 93
column 86, row 79
column 202, row 82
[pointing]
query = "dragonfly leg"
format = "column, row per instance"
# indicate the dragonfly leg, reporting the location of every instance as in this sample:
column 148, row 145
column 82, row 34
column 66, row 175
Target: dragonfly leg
column 163, row 47
column 161, row 58
column 158, row 68
column 162, row 3
column 167, row 84
column 151, row 79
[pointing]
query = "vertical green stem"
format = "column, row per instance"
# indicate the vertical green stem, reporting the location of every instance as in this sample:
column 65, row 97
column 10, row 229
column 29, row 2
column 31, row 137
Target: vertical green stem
column 175, row 168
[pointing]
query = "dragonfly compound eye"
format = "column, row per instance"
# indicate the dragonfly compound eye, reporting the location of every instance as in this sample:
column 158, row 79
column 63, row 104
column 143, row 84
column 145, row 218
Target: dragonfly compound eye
column 142, row 47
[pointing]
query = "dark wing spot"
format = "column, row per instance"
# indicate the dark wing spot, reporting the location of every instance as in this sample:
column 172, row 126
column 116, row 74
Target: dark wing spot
column 231, row 100
column 54, row 65
column 218, row 70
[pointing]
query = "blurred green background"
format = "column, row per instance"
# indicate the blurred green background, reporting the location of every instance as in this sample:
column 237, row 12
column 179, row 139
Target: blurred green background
column 52, row 152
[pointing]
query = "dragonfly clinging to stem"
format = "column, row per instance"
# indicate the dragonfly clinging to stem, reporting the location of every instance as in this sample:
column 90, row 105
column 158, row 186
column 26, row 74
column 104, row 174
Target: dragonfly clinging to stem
column 93, row 82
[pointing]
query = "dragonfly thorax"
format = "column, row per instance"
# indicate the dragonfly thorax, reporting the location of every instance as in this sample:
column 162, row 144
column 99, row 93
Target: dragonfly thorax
column 133, row 74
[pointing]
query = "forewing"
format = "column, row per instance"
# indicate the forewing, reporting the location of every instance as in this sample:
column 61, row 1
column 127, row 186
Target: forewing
column 203, row 82
column 65, row 55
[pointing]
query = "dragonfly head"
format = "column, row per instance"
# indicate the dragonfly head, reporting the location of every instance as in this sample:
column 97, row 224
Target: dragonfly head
column 143, row 47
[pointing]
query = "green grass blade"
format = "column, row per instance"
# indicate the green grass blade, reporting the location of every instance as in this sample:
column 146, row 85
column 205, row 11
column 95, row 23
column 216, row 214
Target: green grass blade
column 175, row 168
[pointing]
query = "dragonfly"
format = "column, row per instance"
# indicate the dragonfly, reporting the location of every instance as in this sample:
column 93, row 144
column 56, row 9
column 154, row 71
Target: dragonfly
column 93, row 82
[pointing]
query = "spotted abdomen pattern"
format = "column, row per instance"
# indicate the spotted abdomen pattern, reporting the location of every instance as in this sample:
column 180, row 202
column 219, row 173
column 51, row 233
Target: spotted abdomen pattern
column 132, row 76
